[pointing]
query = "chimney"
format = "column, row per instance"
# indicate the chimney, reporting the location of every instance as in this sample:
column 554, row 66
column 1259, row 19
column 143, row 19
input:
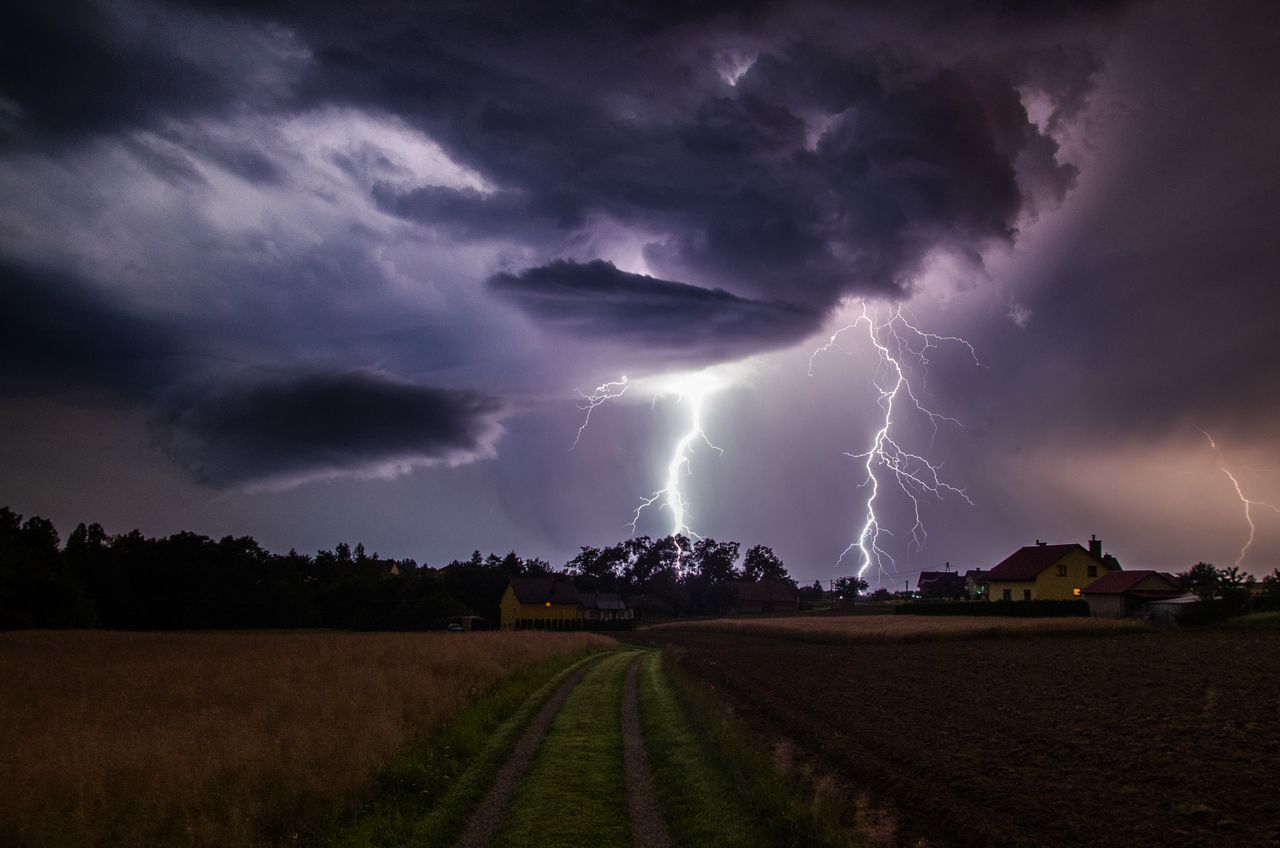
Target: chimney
column 1095, row 546
column 1040, row 544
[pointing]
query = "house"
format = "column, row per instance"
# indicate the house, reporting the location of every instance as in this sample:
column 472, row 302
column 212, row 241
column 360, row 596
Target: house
column 975, row 584
column 604, row 607
column 1043, row 572
column 1122, row 593
column 765, row 596
column 941, row 584
column 543, row 603
column 649, row 606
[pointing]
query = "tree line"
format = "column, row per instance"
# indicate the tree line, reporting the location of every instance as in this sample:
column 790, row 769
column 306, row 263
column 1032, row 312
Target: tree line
column 191, row 581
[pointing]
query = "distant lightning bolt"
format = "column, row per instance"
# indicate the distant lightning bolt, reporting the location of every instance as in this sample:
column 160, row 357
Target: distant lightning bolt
column 895, row 339
column 691, row 390
column 602, row 393
column 1249, row 503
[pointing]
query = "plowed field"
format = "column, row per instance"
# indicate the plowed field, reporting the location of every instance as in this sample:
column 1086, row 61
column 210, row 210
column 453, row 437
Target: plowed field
column 1163, row 739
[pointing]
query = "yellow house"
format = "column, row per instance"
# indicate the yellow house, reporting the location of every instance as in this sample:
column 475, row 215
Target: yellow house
column 1042, row 572
column 540, row 603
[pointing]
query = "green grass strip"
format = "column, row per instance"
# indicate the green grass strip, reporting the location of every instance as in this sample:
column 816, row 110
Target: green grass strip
column 427, row 797
column 695, row 789
column 575, row 793
column 717, row 784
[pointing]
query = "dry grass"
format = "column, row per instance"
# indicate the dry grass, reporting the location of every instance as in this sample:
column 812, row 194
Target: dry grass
column 904, row 628
column 207, row 738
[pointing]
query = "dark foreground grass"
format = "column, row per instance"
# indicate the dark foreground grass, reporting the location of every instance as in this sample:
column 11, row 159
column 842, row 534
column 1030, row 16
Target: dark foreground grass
column 426, row 797
column 575, row 793
column 718, row 785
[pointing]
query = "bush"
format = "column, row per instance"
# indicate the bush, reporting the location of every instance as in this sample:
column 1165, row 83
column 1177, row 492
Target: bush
column 1006, row 609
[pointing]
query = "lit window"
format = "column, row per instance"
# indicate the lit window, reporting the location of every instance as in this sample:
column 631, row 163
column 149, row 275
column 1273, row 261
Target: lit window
column 1075, row 592
column 548, row 603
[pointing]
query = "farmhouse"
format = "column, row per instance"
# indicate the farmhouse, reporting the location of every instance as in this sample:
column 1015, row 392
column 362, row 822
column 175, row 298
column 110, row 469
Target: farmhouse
column 1043, row 572
column 543, row 603
column 941, row 584
column 1121, row 593
column 604, row 607
column 765, row 596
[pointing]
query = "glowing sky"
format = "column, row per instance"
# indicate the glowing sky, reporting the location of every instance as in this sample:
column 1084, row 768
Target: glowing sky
column 322, row 272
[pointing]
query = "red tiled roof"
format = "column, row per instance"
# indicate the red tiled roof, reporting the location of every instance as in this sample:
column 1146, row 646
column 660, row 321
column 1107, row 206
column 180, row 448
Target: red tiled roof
column 1027, row 563
column 1120, row 582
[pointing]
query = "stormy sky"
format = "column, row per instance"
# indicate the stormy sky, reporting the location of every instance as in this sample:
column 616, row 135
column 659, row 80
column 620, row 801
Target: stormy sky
column 323, row 272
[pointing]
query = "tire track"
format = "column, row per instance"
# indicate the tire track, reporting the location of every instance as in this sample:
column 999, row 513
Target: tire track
column 648, row 826
column 488, row 817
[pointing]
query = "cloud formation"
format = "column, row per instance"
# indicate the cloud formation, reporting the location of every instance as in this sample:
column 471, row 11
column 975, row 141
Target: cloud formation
column 669, row 321
column 281, row 432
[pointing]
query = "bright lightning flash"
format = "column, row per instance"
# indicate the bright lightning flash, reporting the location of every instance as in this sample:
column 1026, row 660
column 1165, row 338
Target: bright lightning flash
column 1249, row 503
column 692, row 391
column 896, row 339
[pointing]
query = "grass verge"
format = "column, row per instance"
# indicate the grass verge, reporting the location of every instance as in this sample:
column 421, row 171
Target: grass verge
column 426, row 797
column 575, row 793
column 904, row 629
column 717, row 785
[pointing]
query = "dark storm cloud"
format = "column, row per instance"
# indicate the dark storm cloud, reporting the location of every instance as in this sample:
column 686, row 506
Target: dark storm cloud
column 833, row 166
column 357, row 422
column 58, row 333
column 690, row 325
column 89, row 67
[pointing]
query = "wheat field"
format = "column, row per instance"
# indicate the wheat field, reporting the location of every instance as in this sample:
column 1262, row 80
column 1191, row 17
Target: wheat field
column 200, row 738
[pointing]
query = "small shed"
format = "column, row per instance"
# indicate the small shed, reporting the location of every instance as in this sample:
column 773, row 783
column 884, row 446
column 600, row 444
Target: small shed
column 1169, row 610
column 1118, row 594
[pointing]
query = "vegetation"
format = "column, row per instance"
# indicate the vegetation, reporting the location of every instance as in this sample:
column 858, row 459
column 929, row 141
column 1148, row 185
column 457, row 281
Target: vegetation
column 427, row 796
column 189, row 581
column 999, row 609
column 219, row 738
column 576, row 790
column 717, row 787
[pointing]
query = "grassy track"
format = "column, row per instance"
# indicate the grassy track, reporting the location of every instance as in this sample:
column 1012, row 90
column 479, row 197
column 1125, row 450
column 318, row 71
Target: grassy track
column 575, row 793
column 718, row 786
column 426, row 798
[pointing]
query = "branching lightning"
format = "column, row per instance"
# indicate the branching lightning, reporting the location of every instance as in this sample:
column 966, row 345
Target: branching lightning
column 895, row 339
column 1249, row 503
column 603, row 392
column 692, row 391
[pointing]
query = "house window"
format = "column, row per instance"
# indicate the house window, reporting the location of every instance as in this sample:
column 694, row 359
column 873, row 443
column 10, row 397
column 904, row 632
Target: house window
column 1008, row 594
column 1076, row 592
column 1062, row 569
column 1026, row 594
column 1093, row 571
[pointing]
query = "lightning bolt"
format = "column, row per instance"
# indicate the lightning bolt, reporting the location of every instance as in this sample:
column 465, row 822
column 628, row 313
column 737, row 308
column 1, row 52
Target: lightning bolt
column 1249, row 503
column 671, row 496
column 691, row 390
column 602, row 393
column 895, row 339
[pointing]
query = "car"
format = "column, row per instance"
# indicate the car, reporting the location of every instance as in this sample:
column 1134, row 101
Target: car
column 454, row 628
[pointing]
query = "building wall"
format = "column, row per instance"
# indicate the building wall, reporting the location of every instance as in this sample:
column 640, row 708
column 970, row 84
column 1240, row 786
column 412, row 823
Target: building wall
column 512, row 610
column 996, row 589
column 1106, row 606
column 1050, row 586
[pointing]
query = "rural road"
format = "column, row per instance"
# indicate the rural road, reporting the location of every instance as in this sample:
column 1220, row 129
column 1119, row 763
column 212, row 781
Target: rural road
column 648, row 827
column 647, row 824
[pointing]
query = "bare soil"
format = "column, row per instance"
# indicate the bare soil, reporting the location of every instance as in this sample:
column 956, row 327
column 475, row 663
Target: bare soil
column 648, row 827
column 1133, row 739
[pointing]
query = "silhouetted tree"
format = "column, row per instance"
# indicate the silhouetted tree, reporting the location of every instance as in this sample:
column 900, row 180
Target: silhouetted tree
column 1201, row 578
column 761, row 563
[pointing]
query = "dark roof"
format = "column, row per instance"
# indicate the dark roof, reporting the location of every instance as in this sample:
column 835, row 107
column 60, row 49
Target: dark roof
column 650, row 603
column 940, row 581
column 1120, row 582
column 602, row 601
column 1027, row 563
column 975, row 574
column 766, row 591
column 539, row 590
